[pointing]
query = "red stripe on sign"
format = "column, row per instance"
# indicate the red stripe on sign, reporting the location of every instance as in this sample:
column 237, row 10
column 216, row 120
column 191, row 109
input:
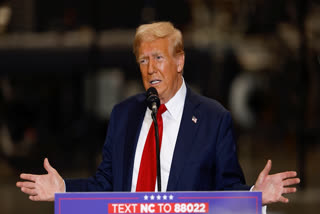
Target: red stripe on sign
column 158, row 208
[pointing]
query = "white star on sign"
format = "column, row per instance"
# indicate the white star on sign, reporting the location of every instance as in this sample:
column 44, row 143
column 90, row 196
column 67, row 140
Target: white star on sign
column 165, row 197
column 152, row 197
column 145, row 197
column 171, row 197
column 158, row 197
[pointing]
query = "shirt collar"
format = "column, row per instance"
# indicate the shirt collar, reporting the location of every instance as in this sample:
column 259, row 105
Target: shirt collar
column 176, row 103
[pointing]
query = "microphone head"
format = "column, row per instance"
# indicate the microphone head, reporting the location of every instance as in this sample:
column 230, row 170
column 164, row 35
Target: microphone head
column 152, row 98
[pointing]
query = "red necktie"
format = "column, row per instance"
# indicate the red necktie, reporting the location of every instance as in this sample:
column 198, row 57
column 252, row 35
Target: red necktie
column 148, row 166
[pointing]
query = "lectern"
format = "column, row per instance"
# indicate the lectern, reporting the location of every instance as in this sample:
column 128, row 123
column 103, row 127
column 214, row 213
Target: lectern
column 220, row 202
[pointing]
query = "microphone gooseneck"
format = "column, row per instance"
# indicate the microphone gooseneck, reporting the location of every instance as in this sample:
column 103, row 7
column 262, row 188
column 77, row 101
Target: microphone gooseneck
column 153, row 103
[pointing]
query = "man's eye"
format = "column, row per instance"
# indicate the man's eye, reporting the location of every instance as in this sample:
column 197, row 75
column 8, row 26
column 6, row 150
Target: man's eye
column 159, row 57
column 142, row 61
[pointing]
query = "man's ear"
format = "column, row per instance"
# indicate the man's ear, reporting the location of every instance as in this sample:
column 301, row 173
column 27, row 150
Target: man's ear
column 180, row 62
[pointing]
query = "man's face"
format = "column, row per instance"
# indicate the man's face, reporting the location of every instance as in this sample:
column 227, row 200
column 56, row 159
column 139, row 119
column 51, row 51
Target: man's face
column 160, row 69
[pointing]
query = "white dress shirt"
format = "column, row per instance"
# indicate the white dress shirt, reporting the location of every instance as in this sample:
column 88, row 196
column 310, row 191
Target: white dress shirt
column 171, row 124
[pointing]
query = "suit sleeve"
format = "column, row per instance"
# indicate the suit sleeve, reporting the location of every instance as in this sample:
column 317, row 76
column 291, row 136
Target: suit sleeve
column 103, row 179
column 229, row 175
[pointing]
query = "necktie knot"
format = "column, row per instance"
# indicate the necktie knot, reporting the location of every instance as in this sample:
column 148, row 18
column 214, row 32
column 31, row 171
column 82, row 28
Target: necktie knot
column 161, row 110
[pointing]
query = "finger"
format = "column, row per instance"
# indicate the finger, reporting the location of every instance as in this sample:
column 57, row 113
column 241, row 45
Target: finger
column 34, row 198
column 47, row 166
column 29, row 177
column 266, row 169
column 19, row 184
column 38, row 198
column 29, row 191
column 30, row 185
column 291, row 181
column 289, row 174
column 289, row 190
column 283, row 199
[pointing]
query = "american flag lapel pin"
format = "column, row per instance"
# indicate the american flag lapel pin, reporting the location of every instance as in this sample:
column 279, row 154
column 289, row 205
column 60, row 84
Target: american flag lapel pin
column 194, row 119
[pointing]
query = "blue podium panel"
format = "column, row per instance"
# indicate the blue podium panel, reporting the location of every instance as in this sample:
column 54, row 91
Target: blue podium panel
column 237, row 202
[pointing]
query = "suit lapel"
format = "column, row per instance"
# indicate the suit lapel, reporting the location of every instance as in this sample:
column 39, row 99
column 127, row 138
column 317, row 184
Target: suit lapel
column 188, row 128
column 135, row 120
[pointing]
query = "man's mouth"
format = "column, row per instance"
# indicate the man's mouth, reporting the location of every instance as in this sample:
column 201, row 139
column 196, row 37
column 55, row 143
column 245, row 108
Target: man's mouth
column 155, row 82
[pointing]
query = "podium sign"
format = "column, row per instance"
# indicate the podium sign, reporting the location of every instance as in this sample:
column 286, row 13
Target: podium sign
column 223, row 202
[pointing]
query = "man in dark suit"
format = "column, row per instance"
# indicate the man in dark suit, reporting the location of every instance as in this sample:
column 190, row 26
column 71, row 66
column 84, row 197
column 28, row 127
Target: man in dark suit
column 198, row 151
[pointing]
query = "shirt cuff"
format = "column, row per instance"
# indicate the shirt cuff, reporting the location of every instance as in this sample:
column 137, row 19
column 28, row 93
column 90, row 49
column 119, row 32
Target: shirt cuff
column 65, row 187
column 264, row 207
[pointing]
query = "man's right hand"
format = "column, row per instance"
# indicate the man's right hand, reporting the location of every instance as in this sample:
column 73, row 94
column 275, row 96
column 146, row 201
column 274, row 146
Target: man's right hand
column 42, row 187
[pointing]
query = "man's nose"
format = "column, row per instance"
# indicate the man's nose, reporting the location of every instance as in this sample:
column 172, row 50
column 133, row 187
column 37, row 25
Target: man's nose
column 151, row 67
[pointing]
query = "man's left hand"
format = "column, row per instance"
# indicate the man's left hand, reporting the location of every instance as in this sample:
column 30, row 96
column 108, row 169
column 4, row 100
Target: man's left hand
column 273, row 186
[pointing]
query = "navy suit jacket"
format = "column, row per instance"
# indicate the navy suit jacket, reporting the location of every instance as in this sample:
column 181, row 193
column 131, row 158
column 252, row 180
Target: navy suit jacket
column 204, row 158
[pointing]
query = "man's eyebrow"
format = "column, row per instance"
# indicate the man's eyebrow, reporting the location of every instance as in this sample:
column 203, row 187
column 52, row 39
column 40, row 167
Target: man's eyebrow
column 156, row 53
column 141, row 57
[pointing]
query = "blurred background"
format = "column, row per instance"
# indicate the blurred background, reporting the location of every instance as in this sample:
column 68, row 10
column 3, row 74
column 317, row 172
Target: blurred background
column 64, row 64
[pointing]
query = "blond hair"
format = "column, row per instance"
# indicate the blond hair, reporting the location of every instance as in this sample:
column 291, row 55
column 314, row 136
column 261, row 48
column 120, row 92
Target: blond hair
column 157, row 30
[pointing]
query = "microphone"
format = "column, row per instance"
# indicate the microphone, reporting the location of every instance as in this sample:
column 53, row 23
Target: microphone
column 152, row 99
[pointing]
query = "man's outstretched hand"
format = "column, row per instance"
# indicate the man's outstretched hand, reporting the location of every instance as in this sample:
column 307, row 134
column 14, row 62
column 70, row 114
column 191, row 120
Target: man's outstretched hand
column 273, row 186
column 42, row 187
